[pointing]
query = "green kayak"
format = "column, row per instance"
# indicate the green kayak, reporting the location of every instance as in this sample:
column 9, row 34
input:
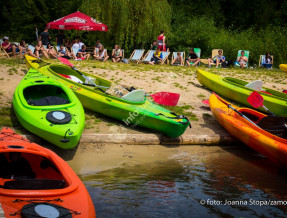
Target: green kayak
column 49, row 109
column 134, row 113
column 236, row 90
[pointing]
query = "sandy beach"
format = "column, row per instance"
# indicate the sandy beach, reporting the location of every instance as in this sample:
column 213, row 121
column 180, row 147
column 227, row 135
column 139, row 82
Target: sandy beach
column 152, row 79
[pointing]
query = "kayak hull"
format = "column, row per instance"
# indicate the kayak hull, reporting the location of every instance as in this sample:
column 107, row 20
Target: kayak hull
column 283, row 67
column 271, row 146
column 32, row 185
column 235, row 89
column 34, row 118
column 145, row 113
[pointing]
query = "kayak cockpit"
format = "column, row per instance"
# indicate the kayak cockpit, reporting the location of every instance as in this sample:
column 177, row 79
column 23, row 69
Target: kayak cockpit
column 272, row 124
column 28, row 171
column 76, row 77
column 45, row 95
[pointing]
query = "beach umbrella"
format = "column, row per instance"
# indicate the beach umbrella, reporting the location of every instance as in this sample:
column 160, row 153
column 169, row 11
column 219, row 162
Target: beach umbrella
column 77, row 21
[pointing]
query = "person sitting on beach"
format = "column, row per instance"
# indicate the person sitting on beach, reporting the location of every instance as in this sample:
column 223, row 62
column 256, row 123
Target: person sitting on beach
column 51, row 51
column 62, row 52
column 117, row 54
column 68, row 44
column 178, row 60
column 24, row 50
column 267, row 61
column 157, row 56
column 8, row 47
column 39, row 49
column 241, row 60
column 98, row 44
column 216, row 59
column 82, row 54
column 100, row 54
column 192, row 58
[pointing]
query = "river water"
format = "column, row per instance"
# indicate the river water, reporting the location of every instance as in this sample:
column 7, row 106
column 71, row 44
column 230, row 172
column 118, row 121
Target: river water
column 181, row 181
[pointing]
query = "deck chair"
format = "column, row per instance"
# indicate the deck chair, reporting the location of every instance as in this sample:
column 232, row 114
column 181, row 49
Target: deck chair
column 165, row 55
column 148, row 56
column 3, row 52
column 32, row 48
column 136, row 55
column 245, row 55
column 261, row 58
column 198, row 52
column 213, row 53
column 174, row 56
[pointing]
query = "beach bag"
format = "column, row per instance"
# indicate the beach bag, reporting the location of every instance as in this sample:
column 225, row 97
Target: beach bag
column 126, row 61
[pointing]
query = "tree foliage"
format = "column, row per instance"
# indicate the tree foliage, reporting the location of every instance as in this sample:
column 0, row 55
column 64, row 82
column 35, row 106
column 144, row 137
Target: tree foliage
column 132, row 23
column 257, row 26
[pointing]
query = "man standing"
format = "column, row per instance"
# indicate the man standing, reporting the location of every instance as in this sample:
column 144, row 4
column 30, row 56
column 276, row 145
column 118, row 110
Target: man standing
column 45, row 37
column 161, row 41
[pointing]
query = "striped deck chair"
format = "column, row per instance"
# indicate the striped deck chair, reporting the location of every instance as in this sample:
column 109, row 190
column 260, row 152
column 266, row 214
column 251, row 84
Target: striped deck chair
column 262, row 58
column 165, row 55
column 136, row 55
column 174, row 56
column 147, row 57
column 32, row 48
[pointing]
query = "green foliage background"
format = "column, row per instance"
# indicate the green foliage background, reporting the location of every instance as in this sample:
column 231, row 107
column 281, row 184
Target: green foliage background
column 258, row 26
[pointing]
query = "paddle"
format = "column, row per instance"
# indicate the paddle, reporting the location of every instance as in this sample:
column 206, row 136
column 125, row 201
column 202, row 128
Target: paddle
column 68, row 63
column 230, row 106
column 206, row 101
column 256, row 100
column 165, row 98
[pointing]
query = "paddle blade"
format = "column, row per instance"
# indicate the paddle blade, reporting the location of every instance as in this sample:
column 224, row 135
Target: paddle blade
column 65, row 61
column 166, row 98
column 255, row 99
column 285, row 91
column 206, row 101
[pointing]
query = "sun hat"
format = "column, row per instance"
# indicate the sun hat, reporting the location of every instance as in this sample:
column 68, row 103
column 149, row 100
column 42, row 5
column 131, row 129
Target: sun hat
column 6, row 37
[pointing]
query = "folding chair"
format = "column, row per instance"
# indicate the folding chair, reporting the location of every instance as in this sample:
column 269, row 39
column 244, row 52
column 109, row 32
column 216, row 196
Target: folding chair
column 262, row 58
column 148, row 56
column 174, row 56
column 136, row 55
column 246, row 54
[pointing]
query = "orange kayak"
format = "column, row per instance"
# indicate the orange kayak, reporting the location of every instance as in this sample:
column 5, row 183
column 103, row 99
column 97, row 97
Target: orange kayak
column 35, row 182
column 270, row 145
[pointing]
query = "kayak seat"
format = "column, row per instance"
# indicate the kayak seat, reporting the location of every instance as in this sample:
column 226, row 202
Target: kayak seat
column 49, row 100
column 255, row 85
column 135, row 95
column 273, row 125
column 34, row 184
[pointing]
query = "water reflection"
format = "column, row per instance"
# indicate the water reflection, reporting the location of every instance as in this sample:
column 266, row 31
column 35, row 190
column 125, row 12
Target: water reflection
column 175, row 186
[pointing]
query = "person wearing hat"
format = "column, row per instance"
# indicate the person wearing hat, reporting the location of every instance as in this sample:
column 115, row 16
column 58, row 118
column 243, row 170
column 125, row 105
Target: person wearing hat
column 8, row 47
